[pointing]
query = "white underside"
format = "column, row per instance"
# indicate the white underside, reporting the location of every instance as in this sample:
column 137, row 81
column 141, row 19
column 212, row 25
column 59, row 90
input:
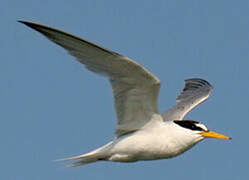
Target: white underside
column 157, row 142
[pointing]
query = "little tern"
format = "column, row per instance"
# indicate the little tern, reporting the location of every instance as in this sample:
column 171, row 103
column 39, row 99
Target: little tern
column 142, row 133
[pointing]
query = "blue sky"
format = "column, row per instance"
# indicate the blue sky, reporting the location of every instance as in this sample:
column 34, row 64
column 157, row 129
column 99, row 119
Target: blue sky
column 52, row 107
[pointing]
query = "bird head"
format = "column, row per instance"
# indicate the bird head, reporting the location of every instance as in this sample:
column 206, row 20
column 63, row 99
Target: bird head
column 198, row 129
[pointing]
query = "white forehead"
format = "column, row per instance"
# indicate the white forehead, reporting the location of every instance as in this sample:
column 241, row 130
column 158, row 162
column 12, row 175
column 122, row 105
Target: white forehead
column 202, row 126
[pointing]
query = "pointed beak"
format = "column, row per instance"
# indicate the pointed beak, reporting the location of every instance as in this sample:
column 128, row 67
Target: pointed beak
column 212, row 134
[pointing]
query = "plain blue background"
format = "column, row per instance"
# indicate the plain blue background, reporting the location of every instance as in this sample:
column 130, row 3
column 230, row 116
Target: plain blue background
column 51, row 107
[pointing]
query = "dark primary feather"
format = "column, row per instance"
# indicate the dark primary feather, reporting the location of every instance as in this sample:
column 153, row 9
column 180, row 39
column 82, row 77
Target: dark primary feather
column 42, row 29
column 194, row 92
column 194, row 86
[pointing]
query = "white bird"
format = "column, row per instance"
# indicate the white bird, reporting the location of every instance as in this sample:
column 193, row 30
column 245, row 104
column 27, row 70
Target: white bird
column 142, row 133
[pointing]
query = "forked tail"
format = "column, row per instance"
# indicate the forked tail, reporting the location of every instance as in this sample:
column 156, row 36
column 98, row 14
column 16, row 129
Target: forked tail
column 93, row 156
column 83, row 159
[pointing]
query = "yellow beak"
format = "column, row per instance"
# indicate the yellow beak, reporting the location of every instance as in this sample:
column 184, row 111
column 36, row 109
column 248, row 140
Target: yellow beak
column 212, row 134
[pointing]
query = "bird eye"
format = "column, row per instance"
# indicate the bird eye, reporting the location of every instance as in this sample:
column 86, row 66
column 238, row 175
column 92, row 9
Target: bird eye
column 189, row 125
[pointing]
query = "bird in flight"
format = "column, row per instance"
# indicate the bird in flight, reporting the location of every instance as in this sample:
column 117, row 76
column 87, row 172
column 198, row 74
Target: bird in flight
column 142, row 133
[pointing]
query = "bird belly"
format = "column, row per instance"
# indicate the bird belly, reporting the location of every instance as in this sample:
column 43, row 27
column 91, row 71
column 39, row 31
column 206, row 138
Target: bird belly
column 146, row 146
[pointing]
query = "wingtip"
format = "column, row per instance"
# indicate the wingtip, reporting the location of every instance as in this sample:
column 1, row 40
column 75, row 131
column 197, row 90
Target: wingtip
column 199, row 80
column 35, row 26
column 30, row 24
column 23, row 22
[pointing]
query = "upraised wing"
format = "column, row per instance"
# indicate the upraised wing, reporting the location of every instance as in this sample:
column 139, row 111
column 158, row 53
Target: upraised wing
column 135, row 88
column 195, row 92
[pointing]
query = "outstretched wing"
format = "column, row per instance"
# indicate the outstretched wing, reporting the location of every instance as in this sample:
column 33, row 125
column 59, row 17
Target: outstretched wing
column 195, row 92
column 135, row 88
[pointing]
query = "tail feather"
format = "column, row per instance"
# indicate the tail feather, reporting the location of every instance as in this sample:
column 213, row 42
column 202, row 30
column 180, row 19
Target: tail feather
column 93, row 156
column 74, row 157
column 82, row 162
column 84, row 159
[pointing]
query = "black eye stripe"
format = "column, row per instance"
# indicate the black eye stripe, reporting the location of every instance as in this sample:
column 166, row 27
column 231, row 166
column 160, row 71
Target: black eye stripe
column 189, row 125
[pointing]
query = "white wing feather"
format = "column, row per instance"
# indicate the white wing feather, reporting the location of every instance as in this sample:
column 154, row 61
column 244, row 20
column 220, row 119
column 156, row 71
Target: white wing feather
column 195, row 92
column 135, row 88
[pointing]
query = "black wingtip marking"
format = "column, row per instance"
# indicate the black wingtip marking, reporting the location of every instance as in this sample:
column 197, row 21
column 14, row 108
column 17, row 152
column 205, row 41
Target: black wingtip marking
column 26, row 23
column 43, row 29
column 194, row 87
column 201, row 81
column 35, row 26
column 195, row 83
